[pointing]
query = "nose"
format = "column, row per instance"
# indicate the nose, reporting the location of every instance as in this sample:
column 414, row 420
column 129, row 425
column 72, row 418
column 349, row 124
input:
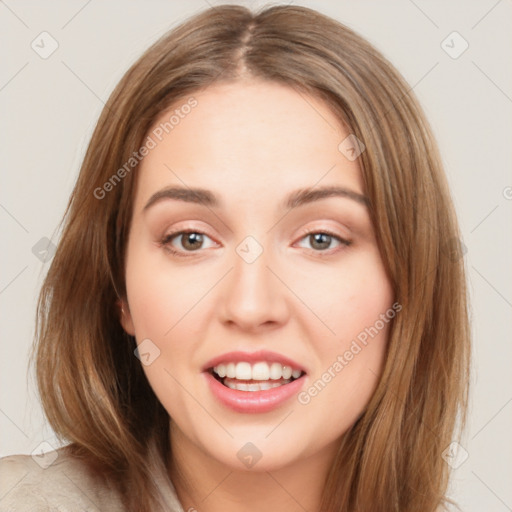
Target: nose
column 254, row 297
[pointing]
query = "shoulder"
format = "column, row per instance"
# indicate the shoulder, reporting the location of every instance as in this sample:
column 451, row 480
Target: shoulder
column 54, row 481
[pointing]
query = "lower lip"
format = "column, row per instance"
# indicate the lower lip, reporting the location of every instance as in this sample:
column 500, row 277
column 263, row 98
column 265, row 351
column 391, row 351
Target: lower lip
column 253, row 401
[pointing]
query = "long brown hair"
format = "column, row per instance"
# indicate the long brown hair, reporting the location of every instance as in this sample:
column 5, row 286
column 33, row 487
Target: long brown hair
column 92, row 387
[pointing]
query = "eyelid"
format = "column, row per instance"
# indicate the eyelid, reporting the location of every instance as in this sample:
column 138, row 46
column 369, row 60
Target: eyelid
column 164, row 241
column 328, row 231
column 344, row 241
column 183, row 231
column 179, row 231
column 187, row 228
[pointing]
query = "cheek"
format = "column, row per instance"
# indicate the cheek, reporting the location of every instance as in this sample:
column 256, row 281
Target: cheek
column 356, row 305
column 160, row 295
column 160, row 301
column 365, row 325
column 347, row 297
column 168, row 306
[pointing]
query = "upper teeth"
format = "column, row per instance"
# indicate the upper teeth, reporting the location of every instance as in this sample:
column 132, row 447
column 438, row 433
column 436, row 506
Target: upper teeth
column 256, row 371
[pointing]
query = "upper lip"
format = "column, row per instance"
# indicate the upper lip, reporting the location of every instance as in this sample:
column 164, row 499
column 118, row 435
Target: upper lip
column 253, row 357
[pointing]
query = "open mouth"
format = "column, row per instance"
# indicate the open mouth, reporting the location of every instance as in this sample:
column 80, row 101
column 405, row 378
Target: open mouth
column 252, row 384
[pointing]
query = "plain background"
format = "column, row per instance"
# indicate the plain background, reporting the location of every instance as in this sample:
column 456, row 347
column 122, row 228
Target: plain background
column 50, row 106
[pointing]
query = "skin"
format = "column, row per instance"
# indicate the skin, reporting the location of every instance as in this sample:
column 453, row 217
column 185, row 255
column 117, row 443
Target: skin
column 252, row 143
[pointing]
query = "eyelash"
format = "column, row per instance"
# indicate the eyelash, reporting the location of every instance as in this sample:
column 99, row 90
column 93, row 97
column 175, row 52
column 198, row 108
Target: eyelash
column 165, row 242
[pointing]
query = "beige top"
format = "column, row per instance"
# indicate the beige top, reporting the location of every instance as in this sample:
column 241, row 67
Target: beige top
column 56, row 482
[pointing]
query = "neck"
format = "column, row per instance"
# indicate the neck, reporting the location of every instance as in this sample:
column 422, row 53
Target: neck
column 205, row 484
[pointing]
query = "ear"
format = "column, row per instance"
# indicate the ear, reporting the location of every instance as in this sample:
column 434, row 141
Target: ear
column 125, row 317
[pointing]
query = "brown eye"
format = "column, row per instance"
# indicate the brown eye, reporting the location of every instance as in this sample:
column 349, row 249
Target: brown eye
column 321, row 241
column 185, row 241
column 191, row 241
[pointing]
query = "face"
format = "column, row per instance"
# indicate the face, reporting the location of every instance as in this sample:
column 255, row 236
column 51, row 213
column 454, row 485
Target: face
column 254, row 272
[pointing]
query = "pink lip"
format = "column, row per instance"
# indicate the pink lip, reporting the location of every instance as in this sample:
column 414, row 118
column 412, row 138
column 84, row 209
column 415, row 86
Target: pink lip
column 252, row 357
column 253, row 401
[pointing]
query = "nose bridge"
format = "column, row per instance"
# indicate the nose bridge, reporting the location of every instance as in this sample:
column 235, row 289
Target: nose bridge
column 254, row 296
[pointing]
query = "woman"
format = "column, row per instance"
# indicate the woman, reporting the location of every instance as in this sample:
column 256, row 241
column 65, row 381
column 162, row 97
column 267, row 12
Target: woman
column 257, row 300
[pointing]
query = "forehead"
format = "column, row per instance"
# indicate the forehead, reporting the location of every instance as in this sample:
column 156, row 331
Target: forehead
column 254, row 136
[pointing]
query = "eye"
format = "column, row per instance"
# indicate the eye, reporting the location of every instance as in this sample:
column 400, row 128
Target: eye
column 322, row 240
column 190, row 241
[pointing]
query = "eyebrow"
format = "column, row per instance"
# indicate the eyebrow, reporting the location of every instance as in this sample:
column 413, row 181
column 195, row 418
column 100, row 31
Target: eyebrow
column 296, row 198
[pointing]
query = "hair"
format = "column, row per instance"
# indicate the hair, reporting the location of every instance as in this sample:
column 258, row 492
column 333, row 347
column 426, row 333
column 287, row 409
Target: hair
column 94, row 391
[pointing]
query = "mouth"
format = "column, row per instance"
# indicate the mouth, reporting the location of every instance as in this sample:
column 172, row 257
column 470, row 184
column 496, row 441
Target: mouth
column 254, row 382
column 261, row 376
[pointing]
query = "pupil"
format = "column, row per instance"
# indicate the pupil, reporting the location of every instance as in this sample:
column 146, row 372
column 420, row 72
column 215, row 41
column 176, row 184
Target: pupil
column 192, row 240
column 322, row 239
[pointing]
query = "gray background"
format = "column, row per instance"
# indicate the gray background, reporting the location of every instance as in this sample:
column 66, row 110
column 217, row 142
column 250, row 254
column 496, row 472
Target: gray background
column 50, row 106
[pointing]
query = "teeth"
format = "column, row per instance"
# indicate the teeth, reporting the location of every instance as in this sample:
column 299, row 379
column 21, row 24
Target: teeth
column 260, row 386
column 276, row 371
column 243, row 371
column 231, row 370
column 221, row 370
column 287, row 372
column 258, row 371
